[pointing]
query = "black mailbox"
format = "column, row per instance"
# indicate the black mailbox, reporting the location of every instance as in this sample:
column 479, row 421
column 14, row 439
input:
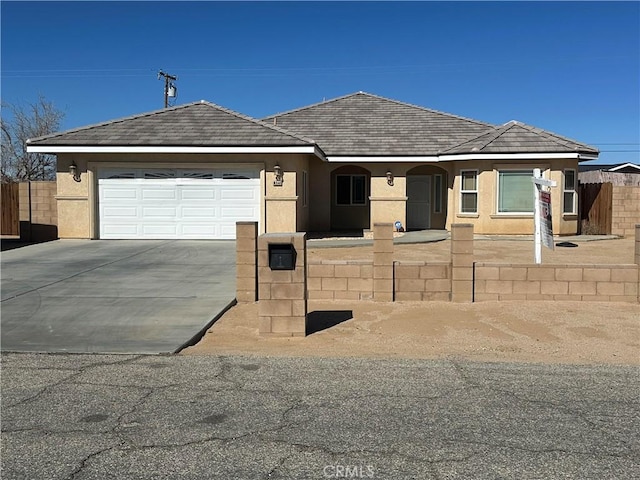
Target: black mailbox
column 282, row 256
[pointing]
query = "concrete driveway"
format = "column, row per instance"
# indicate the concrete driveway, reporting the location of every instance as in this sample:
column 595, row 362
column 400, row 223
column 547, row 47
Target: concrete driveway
column 113, row 296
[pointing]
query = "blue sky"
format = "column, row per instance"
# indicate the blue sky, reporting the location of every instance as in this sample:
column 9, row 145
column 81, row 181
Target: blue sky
column 572, row 68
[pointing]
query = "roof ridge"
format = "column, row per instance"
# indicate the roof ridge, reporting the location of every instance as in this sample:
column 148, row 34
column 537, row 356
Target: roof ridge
column 398, row 102
column 287, row 112
column 108, row 122
column 495, row 129
column 501, row 130
column 419, row 107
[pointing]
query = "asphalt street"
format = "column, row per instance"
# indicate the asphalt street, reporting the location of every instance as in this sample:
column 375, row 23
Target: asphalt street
column 155, row 417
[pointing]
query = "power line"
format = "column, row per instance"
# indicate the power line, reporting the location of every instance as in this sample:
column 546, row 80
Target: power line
column 277, row 71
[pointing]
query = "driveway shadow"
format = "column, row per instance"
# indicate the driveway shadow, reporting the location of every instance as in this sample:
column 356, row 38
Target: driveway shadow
column 11, row 243
column 323, row 319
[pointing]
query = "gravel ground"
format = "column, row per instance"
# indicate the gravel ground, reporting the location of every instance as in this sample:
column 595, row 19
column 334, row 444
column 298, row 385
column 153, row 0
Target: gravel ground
column 546, row 332
column 517, row 251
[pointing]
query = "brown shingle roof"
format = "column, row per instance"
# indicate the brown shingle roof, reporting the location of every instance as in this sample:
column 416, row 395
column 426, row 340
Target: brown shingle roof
column 365, row 124
column 359, row 124
column 193, row 124
column 516, row 137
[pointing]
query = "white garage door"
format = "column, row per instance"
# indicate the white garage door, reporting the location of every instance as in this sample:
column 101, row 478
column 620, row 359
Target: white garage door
column 176, row 203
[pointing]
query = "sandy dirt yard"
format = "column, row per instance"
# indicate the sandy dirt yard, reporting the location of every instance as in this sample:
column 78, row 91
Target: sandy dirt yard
column 546, row 332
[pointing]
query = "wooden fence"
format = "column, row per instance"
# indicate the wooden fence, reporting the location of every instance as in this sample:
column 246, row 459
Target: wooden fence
column 10, row 218
column 596, row 203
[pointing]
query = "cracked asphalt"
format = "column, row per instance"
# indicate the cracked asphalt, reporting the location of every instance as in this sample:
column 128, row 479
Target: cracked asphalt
column 156, row 417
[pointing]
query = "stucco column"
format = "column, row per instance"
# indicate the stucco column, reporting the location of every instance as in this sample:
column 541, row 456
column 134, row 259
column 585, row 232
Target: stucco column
column 383, row 262
column 461, row 262
column 246, row 261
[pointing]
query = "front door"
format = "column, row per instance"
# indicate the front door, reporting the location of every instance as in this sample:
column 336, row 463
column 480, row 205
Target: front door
column 418, row 202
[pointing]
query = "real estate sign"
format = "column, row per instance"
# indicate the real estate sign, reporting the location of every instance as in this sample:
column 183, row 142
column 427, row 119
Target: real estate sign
column 543, row 232
column 545, row 217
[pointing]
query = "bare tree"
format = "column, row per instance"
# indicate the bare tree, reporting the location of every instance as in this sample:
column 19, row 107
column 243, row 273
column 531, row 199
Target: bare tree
column 21, row 123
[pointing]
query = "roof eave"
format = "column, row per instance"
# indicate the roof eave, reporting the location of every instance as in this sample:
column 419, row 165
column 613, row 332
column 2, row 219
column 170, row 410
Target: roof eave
column 55, row 149
column 461, row 157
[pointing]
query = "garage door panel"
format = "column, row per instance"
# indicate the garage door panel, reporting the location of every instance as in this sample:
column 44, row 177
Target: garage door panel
column 197, row 193
column 120, row 212
column 123, row 229
column 237, row 212
column 169, row 230
column 238, row 194
column 197, row 230
column 115, row 193
column 159, row 212
column 159, row 193
column 195, row 213
column 154, row 204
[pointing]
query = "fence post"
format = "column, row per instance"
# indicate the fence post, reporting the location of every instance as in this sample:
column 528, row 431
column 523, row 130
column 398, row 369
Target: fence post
column 383, row 262
column 246, row 265
column 282, row 304
column 462, row 262
column 25, row 211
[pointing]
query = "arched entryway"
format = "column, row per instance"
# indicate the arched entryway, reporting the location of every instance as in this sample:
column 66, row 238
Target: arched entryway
column 350, row 187
column 426, row 198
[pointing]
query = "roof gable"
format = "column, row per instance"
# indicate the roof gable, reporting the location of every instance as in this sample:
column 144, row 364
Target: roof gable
column 194, row 124
column 366, row 124
column 517, row 137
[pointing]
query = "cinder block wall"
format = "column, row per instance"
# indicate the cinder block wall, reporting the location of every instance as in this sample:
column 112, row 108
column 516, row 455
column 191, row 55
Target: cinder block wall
column 625, row 211
column 38, row 211
column 600, row 283
column 418, row 281
column 340, row 280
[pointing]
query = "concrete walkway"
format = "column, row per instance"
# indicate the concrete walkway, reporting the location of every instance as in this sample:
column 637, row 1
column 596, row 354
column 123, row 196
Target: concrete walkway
column 119, row 296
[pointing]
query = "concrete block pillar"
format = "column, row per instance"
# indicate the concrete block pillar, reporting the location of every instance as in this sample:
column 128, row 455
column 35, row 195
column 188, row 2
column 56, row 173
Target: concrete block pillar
column 246, row 262
column 282, row 294
column 461, row 262
column 383, row 262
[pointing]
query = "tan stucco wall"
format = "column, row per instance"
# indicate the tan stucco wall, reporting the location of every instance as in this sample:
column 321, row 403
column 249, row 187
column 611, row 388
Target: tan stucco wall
column 487, row 220
column 387, row 202
column 281, row 208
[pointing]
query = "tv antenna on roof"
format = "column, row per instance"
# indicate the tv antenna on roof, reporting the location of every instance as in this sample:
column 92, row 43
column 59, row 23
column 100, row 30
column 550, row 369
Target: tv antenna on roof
column 170, row 90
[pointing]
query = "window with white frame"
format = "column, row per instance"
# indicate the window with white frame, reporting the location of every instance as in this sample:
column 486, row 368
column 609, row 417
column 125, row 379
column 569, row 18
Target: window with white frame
column 515, row 191
column 437, row 193
column 569, row 198
column 351, row 189
column 469, row 191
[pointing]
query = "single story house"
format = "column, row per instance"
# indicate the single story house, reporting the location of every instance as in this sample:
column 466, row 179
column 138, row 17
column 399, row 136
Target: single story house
column 193, row 170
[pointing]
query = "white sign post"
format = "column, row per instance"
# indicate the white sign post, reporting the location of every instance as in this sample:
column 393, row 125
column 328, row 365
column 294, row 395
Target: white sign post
column 542, row 206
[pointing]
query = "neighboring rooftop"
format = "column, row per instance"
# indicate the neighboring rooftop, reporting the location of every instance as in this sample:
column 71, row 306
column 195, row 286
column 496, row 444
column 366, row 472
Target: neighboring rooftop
column 194, row 124
column 615, row 167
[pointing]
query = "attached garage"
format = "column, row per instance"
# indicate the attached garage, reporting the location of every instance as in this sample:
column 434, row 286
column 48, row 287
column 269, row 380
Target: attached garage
column 176, row 203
